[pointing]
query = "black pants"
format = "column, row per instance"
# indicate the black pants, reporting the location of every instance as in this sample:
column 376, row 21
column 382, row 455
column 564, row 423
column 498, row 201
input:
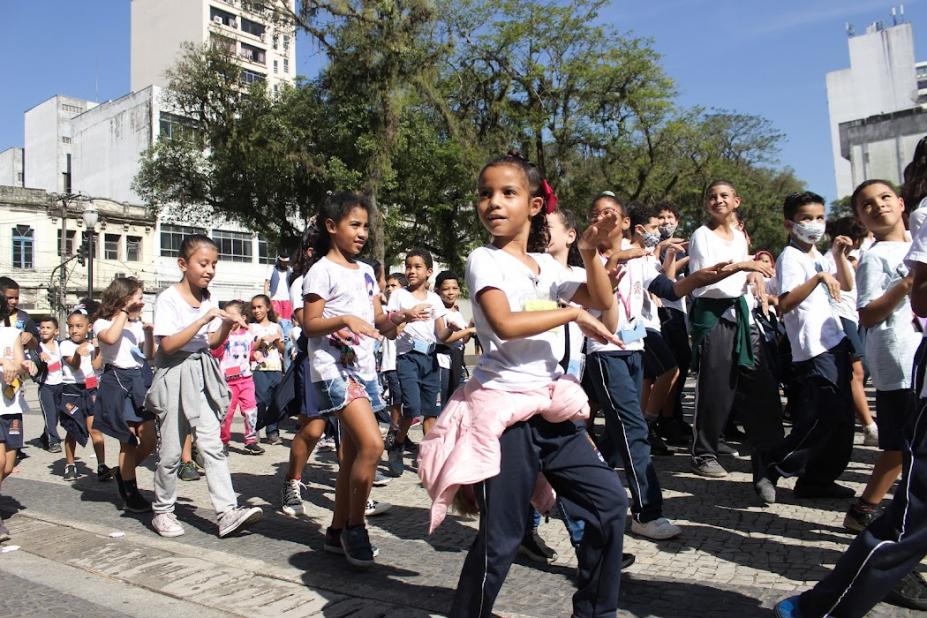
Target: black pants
column 50, row 402
column 889, row 548
column 566, row 457
column 674, row 331
column 818, row 448
column 721, row 382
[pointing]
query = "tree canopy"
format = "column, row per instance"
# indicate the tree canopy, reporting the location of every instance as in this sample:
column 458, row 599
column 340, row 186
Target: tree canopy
column 417, row 94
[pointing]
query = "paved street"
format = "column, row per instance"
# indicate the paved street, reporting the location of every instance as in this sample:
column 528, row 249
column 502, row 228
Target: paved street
column 80, row 555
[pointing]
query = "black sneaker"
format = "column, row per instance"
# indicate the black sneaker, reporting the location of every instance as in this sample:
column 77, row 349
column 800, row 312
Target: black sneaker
column 356, row 545
column 188, row 472
column 70, row 472
column 534, row 548
column 860, row 515
column 673, row 431
column 120, row 485
column 54, row 448
column 135, row 503
column 274, row 438
column 254, row 449
column 104, row 473
column 910, row 592
column 409, row 446
column 726, row 449
column 627, row 560
column 657, row 445
column 333, row 543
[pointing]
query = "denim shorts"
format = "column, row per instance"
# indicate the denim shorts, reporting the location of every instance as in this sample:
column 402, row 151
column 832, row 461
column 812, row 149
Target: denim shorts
column 332, row 396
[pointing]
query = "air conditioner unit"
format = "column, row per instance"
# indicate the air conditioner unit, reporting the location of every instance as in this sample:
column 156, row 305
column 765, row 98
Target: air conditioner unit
column 217, row 19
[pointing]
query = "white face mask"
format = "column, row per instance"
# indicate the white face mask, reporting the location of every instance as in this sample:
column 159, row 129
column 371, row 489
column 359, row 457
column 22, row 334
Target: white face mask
column 667, row 230
column 809, row 231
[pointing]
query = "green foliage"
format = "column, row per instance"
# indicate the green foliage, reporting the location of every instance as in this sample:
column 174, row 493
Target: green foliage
column 418, row 94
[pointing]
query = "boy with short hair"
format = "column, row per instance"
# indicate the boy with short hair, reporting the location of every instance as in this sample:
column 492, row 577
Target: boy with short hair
column 50, row 381
column 819, row 446
column 30, row 332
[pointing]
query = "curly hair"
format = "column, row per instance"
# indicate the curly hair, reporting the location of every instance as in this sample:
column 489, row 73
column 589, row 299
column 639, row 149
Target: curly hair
column 914, row 189
column 115, row 296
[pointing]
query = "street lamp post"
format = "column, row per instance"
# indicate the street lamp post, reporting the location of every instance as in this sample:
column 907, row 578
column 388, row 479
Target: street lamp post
column 65, row 200
column 90, row 217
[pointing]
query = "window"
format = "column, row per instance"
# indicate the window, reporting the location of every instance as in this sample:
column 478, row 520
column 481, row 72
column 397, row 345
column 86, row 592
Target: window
column 249, row 77
column 286, row 65
column 233, row 246
column 219, row 16
column 286, row 41
column 72, row 109
column 252, row 27
column 263, row 256
column 223, row 43
column 133, row 248
column 275, row 67
column 111, row 246
column 173, row 235
column 253, row 54
column 174, row 127
column 22, row 246
column 276, row 91
column 19, row 177
column 65, row 139
column 276, row 41
column 69, row 244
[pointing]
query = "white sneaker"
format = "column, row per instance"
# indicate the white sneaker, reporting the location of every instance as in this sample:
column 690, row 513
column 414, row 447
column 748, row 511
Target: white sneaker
column 376, row 508
column 291, row 501
column 326, row 444
column 238, row 518
column 659, row 529
column 871, row 435
column 166, row 525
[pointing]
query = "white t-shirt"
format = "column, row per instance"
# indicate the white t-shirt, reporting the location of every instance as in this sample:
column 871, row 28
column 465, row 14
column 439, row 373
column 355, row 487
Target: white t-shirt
column 423, row 330
column 916, row 219
column 707, row 249
column 452, row 317
column 281, row 291
column 346, row 291
column 918, row 255
column 53, row 377
column 172, row 314
column 891, row 344
column 388, row 354
column 8, row 337
column 632, row 295
column 69, row 375
column 527, row 363
column 296, row 293
column 846, row 308
column 813, row 326
column 127, row 352
column 271, row 360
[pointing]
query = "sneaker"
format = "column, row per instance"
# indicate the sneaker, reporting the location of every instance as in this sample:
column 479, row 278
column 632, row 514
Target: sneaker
column 254, row 449
column 381, row 480
column 766, row 490
column 135, row 503
column 657, row 445
column 376, row 508
column 726, row 449
column 197, row 457
column 787, row 608
column 55, row 448
column 708, row 467
column 188, row 472
column 394, row 458
column 104, row 474
column 70, row 472
column 274, row 438
column 4, row 533
column 333, row 543
column 326, row 444
column 166, row 525
column 356, row 546
column 673, row 431
column 534, row 548
column 827, row 490
column 871, row 435
column 860, row 515
column 409, row 446
column 291, row 501
column 627, row 560
column 910, row 592
column 120, row 485
column 658, row 529
column 238, row 518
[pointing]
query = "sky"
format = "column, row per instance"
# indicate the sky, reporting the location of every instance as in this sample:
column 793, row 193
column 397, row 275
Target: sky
column 769, row 59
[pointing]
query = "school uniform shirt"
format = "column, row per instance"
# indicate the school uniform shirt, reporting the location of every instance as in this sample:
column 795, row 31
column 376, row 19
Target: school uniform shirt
column 846, row 308
column 346, row 291
column 172, row 314
column 454, row 317
column 917, row 254
column 707, row 249
column 813, row 326
column 423, row 330
column 526, row 363
column 14, row 405
column 890, row 344
column 917, row 217
column 25, row 324
column 70, row 375
column 127, row 352
column 388, row 355
column 53, row 375
column 272, row 361
column 632, row 296
column 296, row 293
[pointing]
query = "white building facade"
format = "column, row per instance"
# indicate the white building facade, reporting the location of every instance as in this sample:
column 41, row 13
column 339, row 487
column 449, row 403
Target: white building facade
column 49, row 141
column 11, row 167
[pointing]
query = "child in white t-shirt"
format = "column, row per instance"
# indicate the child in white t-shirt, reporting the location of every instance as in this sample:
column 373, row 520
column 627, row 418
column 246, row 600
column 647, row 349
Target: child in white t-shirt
column 451, row 352
column 268, row 356
column 49, row 379
column 818, row 448
column 12, row 404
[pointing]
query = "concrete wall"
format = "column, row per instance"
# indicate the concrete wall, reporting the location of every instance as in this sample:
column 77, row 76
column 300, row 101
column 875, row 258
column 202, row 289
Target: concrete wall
column 48, row 141
column 159, row 27
column 881, row 146
column 11, row 167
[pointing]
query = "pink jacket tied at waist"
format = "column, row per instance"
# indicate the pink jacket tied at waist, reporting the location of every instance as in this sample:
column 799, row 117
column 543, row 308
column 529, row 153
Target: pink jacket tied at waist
column 463, row 446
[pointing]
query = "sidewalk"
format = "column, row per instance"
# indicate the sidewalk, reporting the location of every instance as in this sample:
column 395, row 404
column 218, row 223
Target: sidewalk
column 734, row 558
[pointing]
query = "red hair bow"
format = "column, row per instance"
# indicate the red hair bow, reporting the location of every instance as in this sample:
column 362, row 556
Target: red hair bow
column 550, row 200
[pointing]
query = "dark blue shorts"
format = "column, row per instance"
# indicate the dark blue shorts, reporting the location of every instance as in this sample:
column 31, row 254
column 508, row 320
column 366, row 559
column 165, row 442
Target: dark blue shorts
column 857, row 347
column 11, row 431
column 891, row 413
column 420, row 376
column 393, row 387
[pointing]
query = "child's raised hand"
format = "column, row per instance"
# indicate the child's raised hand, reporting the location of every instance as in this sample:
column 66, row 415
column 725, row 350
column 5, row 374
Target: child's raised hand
column 843, row 244
column 419, row 312
column 29, row 367
column 833, row 286
column 148, row 326
column 133, row 307
column 676, row 245
column 605, row 231
column 593, row 328
column 10, row 371
column 84, row 348
column 364, row 328
column 44, row 357
column 755, row 266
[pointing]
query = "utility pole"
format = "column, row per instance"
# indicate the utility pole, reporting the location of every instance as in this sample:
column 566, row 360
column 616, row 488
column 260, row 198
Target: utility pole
column 62, row 276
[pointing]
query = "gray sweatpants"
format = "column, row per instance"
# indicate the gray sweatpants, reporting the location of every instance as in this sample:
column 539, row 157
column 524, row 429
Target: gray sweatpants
column 173, row 428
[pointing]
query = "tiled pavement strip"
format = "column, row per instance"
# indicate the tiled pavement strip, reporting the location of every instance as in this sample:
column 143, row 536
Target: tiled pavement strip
column 733, row 559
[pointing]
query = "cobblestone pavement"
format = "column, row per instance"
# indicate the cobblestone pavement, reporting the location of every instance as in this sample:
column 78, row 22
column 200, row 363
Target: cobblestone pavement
column 734, row 558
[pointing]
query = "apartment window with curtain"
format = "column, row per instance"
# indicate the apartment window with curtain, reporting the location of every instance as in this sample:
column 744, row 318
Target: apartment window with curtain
column 111, row 246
